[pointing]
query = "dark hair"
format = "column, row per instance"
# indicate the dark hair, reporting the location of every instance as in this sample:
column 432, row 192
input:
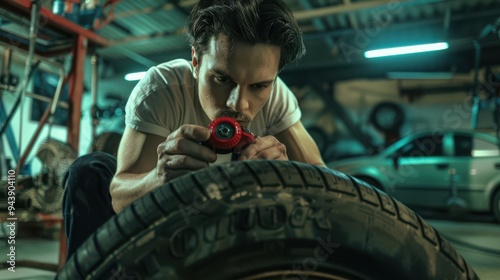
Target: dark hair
column 251, row 21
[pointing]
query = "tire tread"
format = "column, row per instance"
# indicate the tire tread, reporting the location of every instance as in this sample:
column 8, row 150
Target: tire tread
column 167, row 199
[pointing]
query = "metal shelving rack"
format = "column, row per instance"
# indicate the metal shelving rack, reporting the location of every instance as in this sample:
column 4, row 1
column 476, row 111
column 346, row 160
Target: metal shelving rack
column 55, row 36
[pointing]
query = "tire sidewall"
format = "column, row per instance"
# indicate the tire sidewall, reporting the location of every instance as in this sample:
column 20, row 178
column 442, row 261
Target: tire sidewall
column 171, row 233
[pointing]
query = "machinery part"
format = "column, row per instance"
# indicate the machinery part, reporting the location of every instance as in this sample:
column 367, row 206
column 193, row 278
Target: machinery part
column 17, row 103
column 22, row 182
column 4, row 168
column 107, row 142
column 457, row 206
column 56, row 157
column 93, row 94
column 387, row 116
column 321, row 138
column 227, row 135
column 9, row 79
column 495, row 205
column 266, row 219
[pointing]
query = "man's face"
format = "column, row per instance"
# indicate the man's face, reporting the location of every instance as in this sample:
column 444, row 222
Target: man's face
column 235, row 79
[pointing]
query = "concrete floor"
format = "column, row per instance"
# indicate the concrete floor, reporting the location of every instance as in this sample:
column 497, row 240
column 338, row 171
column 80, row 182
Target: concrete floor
column 43, row 250
column 475, row 241
column 478, row 243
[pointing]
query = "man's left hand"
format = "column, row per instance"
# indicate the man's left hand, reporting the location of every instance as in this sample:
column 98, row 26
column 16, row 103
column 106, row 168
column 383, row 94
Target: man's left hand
column 267, row 147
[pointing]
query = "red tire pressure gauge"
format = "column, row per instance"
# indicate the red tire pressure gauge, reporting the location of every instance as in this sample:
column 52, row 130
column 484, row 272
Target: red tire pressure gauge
column 227, row 135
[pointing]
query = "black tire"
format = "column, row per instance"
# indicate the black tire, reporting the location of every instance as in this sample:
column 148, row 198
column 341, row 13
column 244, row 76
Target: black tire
column 387, row 116
column 495, row 205
column 270, row 220
column 372, row 182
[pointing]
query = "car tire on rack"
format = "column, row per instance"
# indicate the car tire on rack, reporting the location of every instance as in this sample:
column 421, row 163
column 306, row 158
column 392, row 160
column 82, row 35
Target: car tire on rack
column 266, row 220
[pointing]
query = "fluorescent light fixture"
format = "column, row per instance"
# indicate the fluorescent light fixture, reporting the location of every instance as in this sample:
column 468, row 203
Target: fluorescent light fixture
column 135, row 76
column 420, row 75
column 407, row 50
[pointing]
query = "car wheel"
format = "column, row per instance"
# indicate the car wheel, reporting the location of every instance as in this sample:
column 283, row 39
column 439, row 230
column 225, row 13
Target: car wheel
column 496, row 205
column 266, row 220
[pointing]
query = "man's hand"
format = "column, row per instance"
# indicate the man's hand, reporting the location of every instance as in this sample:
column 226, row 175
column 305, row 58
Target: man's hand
column 267, row 147
column 182, row 152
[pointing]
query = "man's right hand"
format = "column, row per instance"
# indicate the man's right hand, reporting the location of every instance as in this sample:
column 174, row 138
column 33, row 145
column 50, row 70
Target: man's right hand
column 182, row 152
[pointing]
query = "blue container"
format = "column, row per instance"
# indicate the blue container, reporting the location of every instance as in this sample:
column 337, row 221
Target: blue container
column 58, row 7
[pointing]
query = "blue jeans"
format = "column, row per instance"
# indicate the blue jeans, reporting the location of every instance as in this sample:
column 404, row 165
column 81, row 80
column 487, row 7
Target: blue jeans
column 87, row 201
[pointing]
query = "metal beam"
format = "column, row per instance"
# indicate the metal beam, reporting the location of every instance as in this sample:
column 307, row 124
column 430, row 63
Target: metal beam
column 180, row 8
column 308, row 14
column 340, row 9
column 148, row 10
column 343, row 115
column 53, row 22
column 404, row 25
column 336, row 70
column 175, row 32
column 137, row 57
column 318, row 24
column 447, row 19
column 299, row 15
column 352, row 16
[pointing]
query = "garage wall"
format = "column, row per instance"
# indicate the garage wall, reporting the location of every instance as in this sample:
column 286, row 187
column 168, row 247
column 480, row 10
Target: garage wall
column 433, row 110
column 435, row 103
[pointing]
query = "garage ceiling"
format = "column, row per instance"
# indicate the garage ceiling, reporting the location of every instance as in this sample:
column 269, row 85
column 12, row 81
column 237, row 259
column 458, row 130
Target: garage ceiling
column 336, row 34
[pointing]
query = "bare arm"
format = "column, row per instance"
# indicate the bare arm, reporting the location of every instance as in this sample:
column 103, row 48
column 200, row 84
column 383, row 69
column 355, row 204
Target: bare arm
column 147, row 161
column 299, row 145
column 135, row 172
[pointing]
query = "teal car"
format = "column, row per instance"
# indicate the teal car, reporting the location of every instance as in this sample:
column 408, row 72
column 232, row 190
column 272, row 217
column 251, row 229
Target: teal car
column 439, row 169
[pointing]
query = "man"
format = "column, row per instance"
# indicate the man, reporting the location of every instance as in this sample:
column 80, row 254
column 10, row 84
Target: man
column 238, row 49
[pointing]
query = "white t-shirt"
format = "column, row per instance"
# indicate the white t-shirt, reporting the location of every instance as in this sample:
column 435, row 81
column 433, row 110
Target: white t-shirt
column 167, row 97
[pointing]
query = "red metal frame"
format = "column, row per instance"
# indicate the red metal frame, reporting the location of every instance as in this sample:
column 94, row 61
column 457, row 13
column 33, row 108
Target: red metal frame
column 52, row 21
column 76, row 91
column 83, row 38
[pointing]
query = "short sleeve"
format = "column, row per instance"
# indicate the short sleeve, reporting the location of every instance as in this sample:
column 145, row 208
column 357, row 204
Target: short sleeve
column 152, row 106
column 282, row 109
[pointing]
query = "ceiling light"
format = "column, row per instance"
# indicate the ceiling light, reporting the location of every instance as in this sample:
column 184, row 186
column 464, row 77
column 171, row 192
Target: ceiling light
column 135, row 76
column 406, row 50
